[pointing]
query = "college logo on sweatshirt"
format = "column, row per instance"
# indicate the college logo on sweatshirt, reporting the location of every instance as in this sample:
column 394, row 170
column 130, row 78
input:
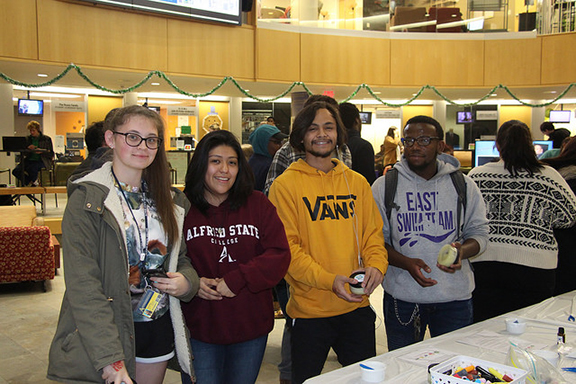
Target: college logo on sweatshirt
column 421, row 217
column 222, row 236
column 331, row 207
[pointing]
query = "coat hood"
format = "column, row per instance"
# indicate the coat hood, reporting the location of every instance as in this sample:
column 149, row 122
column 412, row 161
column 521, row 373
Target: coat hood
column 260, row 138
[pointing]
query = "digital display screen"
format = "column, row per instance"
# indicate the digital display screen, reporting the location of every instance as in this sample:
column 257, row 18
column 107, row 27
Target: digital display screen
column 30, row 107
column 222, row 11
column 485, row 151
column 464, row 117
column 74, row 143
column 560, row 116
column 541, row 146
column 366, row 117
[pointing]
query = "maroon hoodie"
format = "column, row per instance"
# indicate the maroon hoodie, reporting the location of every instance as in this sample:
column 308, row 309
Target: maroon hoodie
column 246, row 247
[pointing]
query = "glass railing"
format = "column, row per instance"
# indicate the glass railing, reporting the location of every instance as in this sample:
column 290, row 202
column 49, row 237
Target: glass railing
column 421, row 15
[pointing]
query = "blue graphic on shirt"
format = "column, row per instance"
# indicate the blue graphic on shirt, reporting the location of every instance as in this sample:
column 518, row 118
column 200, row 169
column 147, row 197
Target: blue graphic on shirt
column 420, row 218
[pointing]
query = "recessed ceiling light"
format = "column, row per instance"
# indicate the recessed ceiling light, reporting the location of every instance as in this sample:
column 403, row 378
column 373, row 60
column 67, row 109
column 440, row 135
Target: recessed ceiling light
column 376, row 92
column 42, row 75
column 154, row 83
column 550, row 92
column 493, row 95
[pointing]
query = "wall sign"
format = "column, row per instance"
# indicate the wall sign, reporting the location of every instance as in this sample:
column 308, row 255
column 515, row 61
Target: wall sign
column 388, row 114
column 486, row 115
column 68, row 106
column 181, row 111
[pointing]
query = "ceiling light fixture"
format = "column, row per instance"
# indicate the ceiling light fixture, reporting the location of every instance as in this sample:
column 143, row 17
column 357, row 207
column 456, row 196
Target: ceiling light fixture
column 55, row 95
column 42, row 75
column 164, row 102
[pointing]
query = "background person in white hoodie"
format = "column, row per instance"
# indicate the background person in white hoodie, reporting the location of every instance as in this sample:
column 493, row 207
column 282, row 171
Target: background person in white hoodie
column 419, row 292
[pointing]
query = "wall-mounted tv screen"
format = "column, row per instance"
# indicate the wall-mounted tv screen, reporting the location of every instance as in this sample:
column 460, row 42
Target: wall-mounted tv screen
column 485, row 151
column 28, row 107
column 366, row 117
column 560, row 116
column 464, row 117
column 222, row 11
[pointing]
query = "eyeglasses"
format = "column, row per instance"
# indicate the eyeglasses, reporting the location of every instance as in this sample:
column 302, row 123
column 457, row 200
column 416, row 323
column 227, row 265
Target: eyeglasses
column 134, row 140
column 422, row 141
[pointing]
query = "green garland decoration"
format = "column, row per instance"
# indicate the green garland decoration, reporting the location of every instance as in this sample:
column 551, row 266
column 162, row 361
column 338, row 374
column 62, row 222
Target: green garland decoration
column 164, row 77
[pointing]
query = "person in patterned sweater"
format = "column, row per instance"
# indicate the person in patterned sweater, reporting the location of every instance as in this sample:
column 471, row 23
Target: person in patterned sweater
column 525, row 200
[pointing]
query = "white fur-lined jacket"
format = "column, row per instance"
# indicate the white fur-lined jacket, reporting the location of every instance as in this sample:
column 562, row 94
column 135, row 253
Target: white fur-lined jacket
column 95, row 327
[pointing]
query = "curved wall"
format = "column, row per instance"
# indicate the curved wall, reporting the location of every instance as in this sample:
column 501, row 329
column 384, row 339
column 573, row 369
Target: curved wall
column 62, row 32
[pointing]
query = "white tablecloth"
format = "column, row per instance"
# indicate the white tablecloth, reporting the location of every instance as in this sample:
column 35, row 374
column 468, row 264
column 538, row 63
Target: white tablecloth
column 543, row 320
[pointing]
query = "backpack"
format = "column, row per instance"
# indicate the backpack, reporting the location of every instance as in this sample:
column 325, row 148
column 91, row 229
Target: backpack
column 391, row 184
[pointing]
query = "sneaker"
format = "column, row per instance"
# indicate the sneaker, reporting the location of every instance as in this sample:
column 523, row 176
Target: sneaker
column 278, row 314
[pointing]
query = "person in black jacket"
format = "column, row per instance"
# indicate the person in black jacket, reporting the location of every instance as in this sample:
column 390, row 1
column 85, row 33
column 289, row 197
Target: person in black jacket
column 40, row 155
column 557, row 135
column 565, row 164
column 361, row 150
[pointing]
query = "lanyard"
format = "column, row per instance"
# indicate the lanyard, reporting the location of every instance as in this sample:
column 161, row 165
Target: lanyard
column 142, row 244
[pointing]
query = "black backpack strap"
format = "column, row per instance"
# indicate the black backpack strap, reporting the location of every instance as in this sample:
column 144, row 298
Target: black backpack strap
column 390, row 186
column 460, row 186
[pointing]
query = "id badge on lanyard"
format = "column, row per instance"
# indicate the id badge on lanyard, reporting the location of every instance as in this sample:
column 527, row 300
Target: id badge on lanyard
column 149, row 302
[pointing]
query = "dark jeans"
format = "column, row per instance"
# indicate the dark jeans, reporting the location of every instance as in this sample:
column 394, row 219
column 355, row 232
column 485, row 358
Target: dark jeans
column 231, row 363
column 351, row 335
column 285, row 365
column 31, row 171
column 406, row 325
column 504, row 287
column 566, row 270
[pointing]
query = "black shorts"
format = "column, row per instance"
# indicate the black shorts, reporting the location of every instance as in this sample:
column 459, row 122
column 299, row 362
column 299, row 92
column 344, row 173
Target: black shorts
column 154, row 340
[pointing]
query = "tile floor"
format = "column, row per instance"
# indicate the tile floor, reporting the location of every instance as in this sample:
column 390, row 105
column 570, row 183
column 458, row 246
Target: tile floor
column 28, row 320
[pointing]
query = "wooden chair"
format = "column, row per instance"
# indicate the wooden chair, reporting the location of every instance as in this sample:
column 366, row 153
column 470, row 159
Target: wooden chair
column 409, row 15
column 442, row 16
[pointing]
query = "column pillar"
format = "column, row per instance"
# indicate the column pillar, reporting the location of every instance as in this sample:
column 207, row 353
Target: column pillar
column 6, row 127
column 538, row 117
column 130, row 98
column 235, row 117
column 296, row 105
column 439, row 112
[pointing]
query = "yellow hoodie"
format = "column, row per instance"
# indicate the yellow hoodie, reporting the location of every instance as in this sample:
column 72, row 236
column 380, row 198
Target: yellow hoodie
column 316, row 209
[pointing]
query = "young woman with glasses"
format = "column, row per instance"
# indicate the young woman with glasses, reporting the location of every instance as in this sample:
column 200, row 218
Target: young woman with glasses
column 126, row 264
